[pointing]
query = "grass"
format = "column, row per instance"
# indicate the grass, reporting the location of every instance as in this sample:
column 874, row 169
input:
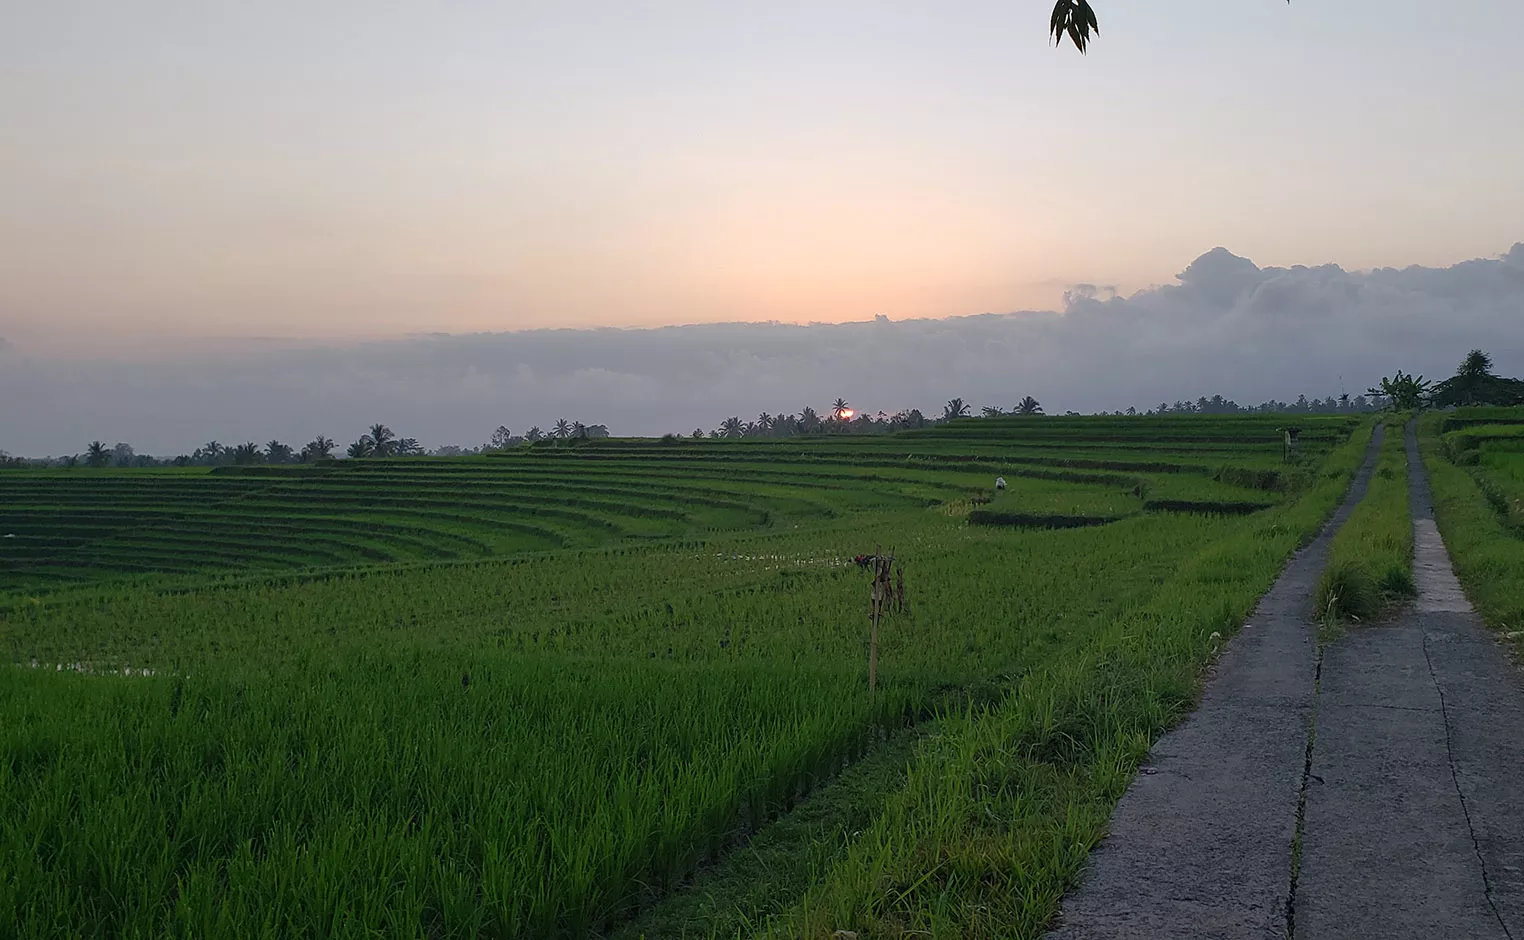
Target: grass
column 1370, row 563
column 1000, row 811
column 1485, row 545
column 631, row 733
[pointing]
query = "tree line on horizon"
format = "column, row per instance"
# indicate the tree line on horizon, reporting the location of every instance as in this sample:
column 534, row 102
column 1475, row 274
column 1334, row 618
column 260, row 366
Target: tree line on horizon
column 840, row 419
column 379, row 441
column 1473, row 384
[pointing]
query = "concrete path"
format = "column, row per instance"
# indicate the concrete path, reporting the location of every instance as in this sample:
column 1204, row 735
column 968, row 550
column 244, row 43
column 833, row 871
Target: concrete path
column 1200, row 845
column 1402, row 747
column 1415, row 813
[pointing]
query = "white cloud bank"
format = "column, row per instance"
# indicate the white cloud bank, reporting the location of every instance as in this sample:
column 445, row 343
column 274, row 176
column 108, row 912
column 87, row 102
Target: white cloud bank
column 1229, row 327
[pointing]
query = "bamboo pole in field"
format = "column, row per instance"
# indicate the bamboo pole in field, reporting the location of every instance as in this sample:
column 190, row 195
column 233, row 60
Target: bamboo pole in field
column 881, row 590
column 873, row 654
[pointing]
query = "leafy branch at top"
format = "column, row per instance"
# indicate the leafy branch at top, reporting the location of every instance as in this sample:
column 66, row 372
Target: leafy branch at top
column 1075, row 19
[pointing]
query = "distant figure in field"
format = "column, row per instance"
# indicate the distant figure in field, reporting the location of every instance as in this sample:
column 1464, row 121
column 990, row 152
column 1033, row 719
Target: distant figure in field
column 1000, row 483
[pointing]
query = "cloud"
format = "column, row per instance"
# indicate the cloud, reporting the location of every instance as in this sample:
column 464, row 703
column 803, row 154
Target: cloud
column 1227, row 327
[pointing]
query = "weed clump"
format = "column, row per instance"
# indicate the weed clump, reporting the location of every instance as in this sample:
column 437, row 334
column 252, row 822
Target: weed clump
column 1346, row 591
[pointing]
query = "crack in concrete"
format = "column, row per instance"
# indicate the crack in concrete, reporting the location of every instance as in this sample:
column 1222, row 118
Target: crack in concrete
column 1476, row 844
column 1435, row 577
column 1392, row 708
column 1301, row 800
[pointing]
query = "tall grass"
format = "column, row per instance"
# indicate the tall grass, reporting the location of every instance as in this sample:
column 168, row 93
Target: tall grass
column 1370, row 563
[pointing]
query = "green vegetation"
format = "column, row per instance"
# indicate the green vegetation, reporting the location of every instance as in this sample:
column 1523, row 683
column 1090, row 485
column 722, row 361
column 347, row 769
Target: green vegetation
column 1370, row 563
column 555, row 692
column 72, row 526
column 1475, row 459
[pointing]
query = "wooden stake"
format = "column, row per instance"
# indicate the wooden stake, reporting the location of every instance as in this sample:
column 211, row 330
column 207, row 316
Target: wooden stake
column 873, row 654
column 881, row 590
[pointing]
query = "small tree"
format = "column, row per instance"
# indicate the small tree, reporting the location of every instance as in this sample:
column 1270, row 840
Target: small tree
column 97, row 454
column 502, row 437
column 1028, row 407
column 1402, row 392
column 1474, row 384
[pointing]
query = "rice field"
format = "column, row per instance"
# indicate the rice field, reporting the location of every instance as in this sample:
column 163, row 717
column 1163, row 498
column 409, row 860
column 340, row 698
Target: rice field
column 545, row 693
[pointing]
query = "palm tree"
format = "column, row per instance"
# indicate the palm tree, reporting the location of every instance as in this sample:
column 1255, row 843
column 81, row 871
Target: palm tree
column 732, row 427
column 276, row 452
column 382, row 441
column 764, row 423
column 533, row 434
column 246, row 453
column 697, row 435
column 563, row 428
column 955, row 409
column 838, row 406
column 97, row 454
column 319, row 448
column 809, row 421
column 361, row 448
column 991, row 411
column 1028, row 406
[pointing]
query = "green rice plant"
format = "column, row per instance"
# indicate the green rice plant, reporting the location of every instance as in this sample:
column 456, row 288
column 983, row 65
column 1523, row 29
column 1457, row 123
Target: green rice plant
column 547, row 742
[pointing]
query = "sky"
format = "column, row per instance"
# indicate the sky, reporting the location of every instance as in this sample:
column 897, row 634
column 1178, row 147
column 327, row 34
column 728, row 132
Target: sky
column 190, row 184
column 1226, row 326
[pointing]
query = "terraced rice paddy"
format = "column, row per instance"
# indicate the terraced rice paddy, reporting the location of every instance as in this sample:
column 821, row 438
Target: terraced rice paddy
column 538, row 693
